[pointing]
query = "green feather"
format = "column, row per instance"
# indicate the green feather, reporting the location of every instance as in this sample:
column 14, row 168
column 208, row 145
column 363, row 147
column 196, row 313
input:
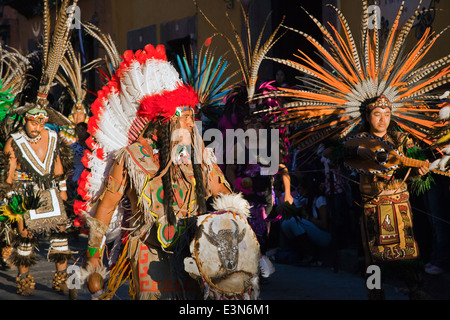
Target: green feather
column 421, row 185
column 16, row 204
column 416, row 153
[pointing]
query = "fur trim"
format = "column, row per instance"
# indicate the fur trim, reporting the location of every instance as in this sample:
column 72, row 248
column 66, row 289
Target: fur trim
column 17, row 260
column 20, row 260
column 60, row 257
column 4, row 166
column 6, row 188
column 67, row 156
column 97, row 231
column 254, row 283
column 86, row 272
column 233, row 202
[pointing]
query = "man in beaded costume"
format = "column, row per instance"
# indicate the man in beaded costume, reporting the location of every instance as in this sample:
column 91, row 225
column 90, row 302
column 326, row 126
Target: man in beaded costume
column 155, row 160
column 387, row 222
column 35, row 166
column 38, row 166
column 363, row 87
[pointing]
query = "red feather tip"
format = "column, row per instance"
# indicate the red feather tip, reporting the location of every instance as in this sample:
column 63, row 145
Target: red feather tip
column 77, row 222
column 165, row 104
column 208, row 42
column 91, row 144
column 85, row 159
column 92, row 125
column 85, row 175
column 79, row 206
column 149, row 53
column 84, row 194
column 100, row 153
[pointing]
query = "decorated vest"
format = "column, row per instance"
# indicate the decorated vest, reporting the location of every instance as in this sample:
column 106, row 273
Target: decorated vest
column 29, row 160
column 49, row 212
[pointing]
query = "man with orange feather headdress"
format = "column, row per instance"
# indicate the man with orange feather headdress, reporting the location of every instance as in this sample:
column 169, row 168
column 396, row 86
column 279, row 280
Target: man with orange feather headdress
column 384, row 93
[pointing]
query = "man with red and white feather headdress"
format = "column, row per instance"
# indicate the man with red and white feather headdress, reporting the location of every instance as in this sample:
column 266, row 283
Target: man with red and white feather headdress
column 145, row 151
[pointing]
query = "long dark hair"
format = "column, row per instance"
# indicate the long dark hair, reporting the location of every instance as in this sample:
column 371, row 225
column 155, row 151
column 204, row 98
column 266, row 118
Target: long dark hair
column 164, row 158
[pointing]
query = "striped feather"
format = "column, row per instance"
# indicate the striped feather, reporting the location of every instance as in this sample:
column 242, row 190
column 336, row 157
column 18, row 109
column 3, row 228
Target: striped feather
column 335, row 88
column 249, row 59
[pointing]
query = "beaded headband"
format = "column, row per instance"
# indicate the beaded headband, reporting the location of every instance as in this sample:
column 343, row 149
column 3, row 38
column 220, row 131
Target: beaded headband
column 179, row 110
column 381, row 102
column 37, row 114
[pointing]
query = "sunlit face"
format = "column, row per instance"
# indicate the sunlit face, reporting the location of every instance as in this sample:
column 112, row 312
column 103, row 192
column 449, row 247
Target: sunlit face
column 33, row 128
column 186, row 120
column 379, row 120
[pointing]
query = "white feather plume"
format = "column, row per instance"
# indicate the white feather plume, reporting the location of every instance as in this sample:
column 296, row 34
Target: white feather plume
column 234, row 202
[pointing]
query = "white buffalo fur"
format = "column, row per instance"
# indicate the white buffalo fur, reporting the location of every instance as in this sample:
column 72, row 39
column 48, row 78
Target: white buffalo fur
column 233, row 202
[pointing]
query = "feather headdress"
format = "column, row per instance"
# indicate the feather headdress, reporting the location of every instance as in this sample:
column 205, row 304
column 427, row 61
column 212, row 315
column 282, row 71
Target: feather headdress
column 112, row 58
column 13, row 68
column 70, row 77
column 53, row 50
column 331, row 103
column 205, row 75
column 249, row 60
column 144, row 87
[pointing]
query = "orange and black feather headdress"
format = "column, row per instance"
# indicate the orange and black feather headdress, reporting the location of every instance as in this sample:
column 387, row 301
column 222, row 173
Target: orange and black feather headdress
column 331, row 103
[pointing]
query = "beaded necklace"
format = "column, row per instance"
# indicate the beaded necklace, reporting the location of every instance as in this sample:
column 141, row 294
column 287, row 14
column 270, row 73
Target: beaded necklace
column 31, row 140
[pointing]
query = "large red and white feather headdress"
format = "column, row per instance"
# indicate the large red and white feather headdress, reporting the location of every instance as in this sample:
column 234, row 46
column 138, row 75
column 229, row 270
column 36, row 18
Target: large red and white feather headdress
column 144, row 88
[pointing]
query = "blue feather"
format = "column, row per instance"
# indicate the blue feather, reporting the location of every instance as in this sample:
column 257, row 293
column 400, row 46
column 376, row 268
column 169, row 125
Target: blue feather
column 202, row 73
column 214, row 71
column 220, row 74
column 183, row 73
column 188, row 71
column 207, row 76
column 195, row 70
